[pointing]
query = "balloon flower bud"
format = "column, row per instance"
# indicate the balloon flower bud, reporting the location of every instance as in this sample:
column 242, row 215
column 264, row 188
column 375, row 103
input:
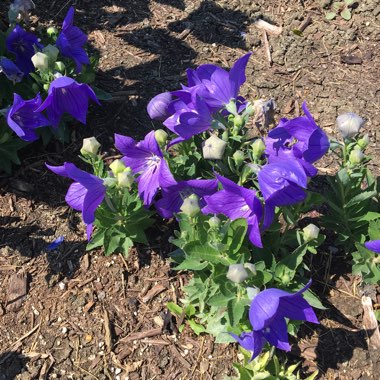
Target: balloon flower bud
column 237, row 273
column 251, row 267
column 60, row 66
column 213, row 148
column 161, row 137
column 214, row 222
column 258, row 148
column 117, row 167
column 310, row 232
column 252, row 292
column 158, row 107
column 52, row 31
column 90, row 146
column 356, row 157
column 52, row 53
column 125, row 178
column 349, row 124
column 364, row 141
column 238, row 157
column 190, row 206
column 40, row 61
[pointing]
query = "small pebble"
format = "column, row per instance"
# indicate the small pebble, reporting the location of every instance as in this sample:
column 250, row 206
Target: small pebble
column 62, row 286
column 117, row 371
column 64, row 330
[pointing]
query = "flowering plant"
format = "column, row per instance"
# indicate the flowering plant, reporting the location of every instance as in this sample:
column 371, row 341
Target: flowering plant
column 227, row 191
column 42, row 80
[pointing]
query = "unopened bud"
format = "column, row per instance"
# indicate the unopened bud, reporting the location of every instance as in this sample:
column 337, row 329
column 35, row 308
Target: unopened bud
column 161, row 137
column 237, row 273
column 158, row 107
column 52, row 31
column 252, row 292
column 214, row 222
column 117, row 167
column 190, row 206
column 364, row 141
column 238, row 121
column 40, row 61
column 258, row 148
column 60, row 66
column 46, row 86
column 251, row 267
column 310, row 232
column 90, row 146
column 238, row 157
column 225, row 136
column 349, row 124
column 125, row 178
column 52, row 52
column 356, row 157
column 213, row 148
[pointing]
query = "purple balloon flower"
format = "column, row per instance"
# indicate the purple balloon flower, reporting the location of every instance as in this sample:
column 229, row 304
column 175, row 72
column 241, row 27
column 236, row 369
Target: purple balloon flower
column 373, row 245
column 22, row 44
column 283, row 183
column 10, row 70
column 71, row 40
column 189, row 120
column 299, row 138
column 146, row 159
column 236, row 202
column 173, row 196
column 67, row 95
column 158, row 107
column 267, row 315
column 23, row 118
column 216, row 85
column 85, row 194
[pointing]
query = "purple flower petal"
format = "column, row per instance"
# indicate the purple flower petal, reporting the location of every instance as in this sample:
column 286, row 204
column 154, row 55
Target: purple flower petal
column 373, row 245
column 55, row 244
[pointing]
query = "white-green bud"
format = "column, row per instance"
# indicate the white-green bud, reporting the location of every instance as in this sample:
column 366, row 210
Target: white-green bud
column 238, row 157
column 52, row 52
column 214, row 222
column 310, row 232
column 190, row 206
column 40, row 61
column 90, row 146
column 213, row 148
column 125, row 178
column 258, row 148
column 251, row 267
column 161, row 137
column 252, row 292
column 51, row 30
column 364, row 141
column 237, row 273
column 349, row 124
column 117, row 167
column 60, row 66
column 356, row 157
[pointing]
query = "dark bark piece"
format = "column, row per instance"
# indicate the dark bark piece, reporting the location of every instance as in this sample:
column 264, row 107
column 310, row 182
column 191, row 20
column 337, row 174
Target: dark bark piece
column 17, row 290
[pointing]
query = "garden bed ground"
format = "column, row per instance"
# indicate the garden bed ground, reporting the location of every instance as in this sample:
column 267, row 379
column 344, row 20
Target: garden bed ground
column 81, row 315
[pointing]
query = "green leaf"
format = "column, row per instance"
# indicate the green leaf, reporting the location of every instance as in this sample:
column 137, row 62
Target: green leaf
column 206, row 252
column 369, row 216
column 97, row 239
column 297, row 32
column 196, row 327
column 287, row 267
column 191, row 264
column 235, row 234
column 346, row 14
column 330, row 15
column 174, row 308
column 101, row 94
column 235, row 309
column 363, row 196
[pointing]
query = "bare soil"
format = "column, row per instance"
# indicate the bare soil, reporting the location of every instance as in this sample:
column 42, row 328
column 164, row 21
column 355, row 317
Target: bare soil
column 73, row 314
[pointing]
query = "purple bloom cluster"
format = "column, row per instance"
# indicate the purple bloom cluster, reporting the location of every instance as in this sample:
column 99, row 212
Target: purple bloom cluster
column 267, row 315
column 190, row 111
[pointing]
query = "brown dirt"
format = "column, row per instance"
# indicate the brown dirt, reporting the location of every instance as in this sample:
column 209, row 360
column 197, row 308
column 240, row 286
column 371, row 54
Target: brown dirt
column 84, row 315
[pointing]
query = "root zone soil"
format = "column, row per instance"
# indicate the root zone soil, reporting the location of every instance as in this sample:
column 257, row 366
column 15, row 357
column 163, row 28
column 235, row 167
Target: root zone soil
column 73, row 314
